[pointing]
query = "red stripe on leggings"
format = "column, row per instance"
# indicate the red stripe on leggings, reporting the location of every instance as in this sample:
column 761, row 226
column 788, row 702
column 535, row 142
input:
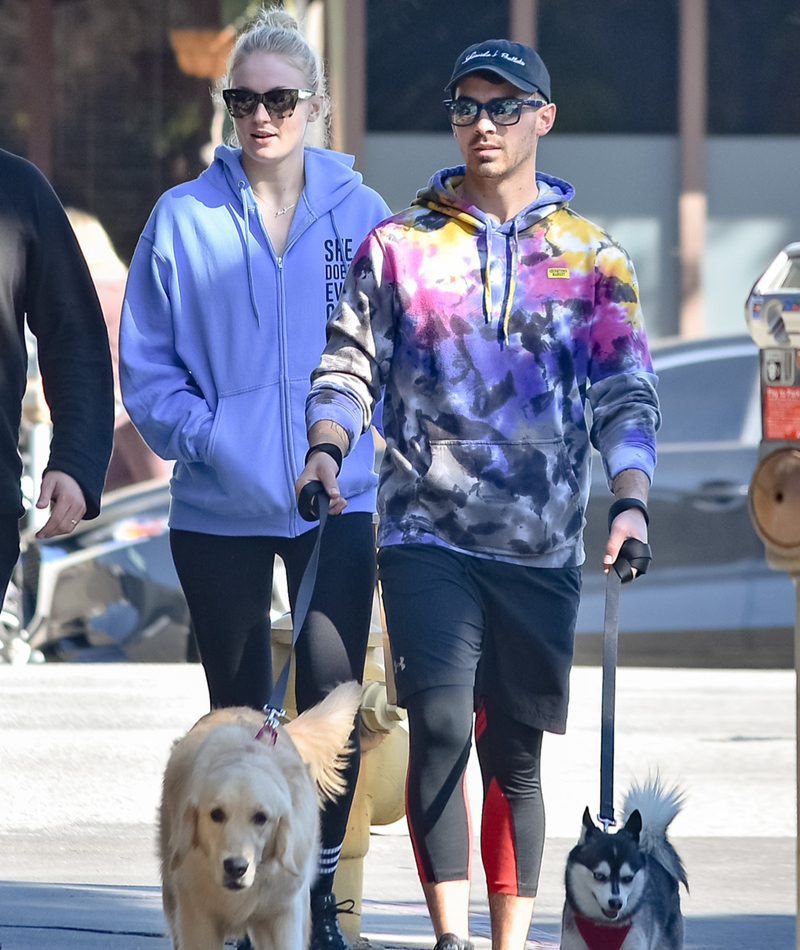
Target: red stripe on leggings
column 497, row 843
column 480, row 721
column 415, row 847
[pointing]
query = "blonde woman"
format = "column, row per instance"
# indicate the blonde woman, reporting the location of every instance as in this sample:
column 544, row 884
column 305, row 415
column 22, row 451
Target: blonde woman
column 224, row 319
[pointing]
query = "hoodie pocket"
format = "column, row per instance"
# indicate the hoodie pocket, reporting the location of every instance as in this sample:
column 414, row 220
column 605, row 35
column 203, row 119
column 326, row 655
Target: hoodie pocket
column 518, row 499
column 248, row 455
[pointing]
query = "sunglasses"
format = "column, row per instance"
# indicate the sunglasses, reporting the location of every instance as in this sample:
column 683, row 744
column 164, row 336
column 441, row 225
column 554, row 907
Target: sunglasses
column 467, row 111
column 279, row 103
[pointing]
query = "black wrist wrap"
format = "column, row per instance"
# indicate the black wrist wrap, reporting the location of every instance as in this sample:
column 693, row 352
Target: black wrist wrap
column 623, row 504
column 329, row 448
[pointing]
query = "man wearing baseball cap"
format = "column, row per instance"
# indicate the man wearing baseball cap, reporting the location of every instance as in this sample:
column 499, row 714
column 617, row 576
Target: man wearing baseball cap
column 489, row 313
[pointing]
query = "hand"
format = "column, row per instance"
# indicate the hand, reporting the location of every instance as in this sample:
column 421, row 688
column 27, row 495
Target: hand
column 322, row 468
column 67, row 505
column 627, row 524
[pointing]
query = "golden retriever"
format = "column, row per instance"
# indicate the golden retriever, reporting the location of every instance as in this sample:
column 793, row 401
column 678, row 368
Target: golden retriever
column 239, row 823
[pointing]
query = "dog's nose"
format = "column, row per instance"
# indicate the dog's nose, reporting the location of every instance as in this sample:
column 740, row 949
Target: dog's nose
column 614, row 903
column 235, row 867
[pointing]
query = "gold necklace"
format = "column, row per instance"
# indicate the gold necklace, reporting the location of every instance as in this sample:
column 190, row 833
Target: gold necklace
column 282, row 211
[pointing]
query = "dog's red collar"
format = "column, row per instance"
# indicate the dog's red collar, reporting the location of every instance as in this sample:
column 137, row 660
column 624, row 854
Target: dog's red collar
column 271, row 723
column 602, row 936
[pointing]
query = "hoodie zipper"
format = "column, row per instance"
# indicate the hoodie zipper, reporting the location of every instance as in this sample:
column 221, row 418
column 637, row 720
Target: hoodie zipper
column 286, row 416
column 285, row 395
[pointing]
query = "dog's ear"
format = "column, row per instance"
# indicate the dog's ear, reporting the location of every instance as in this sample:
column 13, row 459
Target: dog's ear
column 285, row 847
column 633, row 826
column 185, row 835
column 588, row 826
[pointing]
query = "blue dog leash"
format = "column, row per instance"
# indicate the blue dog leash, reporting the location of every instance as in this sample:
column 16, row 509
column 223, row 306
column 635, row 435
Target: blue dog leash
column 313, row 504
column 633, row 554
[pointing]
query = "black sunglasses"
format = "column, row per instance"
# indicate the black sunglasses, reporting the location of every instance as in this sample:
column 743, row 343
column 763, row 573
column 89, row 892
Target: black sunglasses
column 467, row 111
column 279, row 103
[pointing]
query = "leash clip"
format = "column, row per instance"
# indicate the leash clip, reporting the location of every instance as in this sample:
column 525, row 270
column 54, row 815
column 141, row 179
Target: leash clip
column 606, row 822
column 271, row 723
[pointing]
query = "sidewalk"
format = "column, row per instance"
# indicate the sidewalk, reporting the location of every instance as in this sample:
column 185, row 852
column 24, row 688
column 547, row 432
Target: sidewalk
column 82, row 749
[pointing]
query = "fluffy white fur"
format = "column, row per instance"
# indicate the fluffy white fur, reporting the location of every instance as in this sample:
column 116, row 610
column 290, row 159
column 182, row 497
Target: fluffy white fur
column 239, row 823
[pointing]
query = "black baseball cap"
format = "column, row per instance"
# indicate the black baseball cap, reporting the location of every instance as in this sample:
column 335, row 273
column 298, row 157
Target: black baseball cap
column 518, row 64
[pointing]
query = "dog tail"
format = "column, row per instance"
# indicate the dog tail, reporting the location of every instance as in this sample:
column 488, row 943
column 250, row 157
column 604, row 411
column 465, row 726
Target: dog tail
column 321, row 736
column 658, row 806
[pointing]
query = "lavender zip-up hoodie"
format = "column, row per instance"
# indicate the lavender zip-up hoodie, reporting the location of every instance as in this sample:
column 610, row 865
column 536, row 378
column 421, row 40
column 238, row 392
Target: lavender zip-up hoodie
column 489, row 339
column 219, row 336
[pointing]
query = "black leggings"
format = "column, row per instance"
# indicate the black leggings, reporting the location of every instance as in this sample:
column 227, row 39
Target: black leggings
column 512, row 824
column 227, row 582
column 9, row 550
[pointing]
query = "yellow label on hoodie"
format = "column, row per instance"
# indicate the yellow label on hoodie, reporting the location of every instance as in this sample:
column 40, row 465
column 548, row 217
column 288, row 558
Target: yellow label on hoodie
column 562, row 272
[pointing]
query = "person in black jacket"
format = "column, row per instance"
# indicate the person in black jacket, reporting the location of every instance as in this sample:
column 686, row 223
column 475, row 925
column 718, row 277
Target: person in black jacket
column 44, row 278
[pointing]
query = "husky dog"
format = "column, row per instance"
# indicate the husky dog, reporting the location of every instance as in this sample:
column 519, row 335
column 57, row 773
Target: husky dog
column 622, row 889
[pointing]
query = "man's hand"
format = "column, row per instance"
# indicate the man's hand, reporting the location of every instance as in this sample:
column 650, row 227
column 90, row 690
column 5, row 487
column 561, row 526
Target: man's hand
column 630, row 483
column 63, row 495
column 322, row 468
column 628, row 524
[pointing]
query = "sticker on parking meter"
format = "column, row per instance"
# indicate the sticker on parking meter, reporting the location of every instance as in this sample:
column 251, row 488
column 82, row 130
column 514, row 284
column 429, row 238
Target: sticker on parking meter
column 778, row 367
column 782, row 412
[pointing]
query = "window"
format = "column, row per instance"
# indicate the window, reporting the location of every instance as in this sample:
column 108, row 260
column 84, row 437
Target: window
column 613, row 65
column 753, row 67
column 706, row 401
column 412, row 47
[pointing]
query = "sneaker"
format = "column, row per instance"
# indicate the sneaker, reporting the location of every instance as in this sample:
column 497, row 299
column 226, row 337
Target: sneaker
column 452, row 942
column 326, row 934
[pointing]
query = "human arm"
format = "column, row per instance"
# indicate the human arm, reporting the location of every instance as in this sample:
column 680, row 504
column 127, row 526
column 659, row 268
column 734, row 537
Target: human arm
column 347, row 384
column 73, row 353
column 631, row 483
column 159, row 391
column 321, row 466
column 622, row 394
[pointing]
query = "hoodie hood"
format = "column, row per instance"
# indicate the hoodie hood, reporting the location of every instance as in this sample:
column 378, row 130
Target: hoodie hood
column 496, row 239
column 329, row 180
column 439, row 195
column 330, row 177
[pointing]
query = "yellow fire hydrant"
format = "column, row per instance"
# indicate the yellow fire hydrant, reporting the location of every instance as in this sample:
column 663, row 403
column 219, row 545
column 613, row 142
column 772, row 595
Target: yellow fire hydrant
column 380, row 791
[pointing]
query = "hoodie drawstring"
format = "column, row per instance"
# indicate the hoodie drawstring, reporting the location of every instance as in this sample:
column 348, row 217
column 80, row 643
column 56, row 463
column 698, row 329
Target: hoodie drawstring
column 511, row 279
column 246, row 208
column 487, row 277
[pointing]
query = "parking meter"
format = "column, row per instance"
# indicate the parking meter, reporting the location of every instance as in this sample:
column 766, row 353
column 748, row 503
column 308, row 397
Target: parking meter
column 773, row 318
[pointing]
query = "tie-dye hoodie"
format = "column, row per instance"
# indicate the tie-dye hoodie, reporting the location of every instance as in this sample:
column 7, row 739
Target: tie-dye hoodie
column 489, row 339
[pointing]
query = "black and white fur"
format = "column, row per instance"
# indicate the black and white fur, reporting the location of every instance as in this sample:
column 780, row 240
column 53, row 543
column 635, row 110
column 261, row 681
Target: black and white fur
column 622, row 889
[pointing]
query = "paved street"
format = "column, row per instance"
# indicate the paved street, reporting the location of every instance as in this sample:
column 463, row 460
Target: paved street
column 82, row 748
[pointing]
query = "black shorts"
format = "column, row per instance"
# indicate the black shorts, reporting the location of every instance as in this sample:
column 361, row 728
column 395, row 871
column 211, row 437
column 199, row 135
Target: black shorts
column 458, row 620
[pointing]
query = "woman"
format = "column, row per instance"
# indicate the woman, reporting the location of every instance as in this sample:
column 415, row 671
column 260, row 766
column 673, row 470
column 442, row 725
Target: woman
column 223, row 321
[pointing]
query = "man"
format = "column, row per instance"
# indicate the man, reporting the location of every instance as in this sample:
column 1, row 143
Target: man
column 44, row 278
column 489, row 312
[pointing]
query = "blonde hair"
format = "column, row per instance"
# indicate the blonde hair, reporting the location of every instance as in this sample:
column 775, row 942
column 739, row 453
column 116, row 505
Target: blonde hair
column 274, row 30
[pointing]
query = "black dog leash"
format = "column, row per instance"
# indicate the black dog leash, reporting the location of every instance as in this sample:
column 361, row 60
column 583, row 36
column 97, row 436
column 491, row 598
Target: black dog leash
column 633, row 555
column 313, row 504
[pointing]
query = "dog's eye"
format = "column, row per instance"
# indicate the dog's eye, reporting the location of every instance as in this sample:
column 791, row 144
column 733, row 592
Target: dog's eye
column 599, row 876
column 627, row 879
column 259, row 818
column 218, row 815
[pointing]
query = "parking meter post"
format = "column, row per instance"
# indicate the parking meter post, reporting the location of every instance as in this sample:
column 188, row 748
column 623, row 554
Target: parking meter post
column 772, row 312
